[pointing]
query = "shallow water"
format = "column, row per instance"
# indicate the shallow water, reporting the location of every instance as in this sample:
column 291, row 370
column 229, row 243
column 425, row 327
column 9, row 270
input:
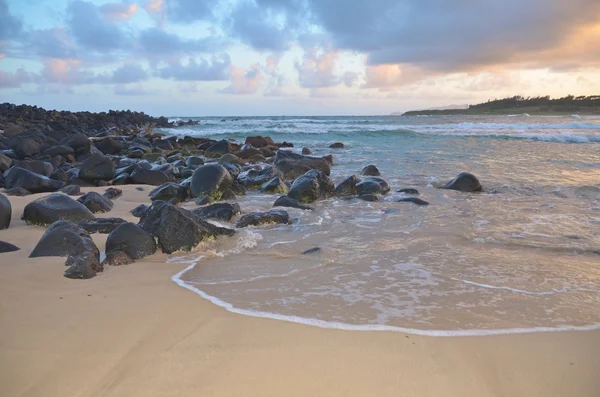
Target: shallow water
column 524, row 255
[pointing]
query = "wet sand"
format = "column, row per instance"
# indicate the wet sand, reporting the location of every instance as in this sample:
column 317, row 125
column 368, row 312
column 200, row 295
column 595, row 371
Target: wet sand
column 131, row 331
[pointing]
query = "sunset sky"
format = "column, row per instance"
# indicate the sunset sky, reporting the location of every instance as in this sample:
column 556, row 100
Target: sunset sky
column 293, row 57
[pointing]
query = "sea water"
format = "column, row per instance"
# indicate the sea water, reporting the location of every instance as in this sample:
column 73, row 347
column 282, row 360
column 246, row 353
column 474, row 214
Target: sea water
column 523, row 256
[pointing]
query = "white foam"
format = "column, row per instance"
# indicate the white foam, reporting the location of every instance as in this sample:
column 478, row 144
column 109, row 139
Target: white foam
column 370, row 327
column 516, row 290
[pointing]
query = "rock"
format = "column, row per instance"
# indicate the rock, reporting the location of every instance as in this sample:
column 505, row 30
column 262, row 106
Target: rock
column 258, row 141
column 311, row 186
column 286, row 201
column 464, row 182
column 35, row 183
column 96, row 202
column 275, row 185
column 368, row 197
column 97, row 168
column 7, row 247
column 336, row 145
column 80, row 269
column 372, row 185
column 176, row 228
column 409, row 191
column 249, row 152
column 26, row 148
column 132, row 240
column 311, row 251
column 139, row 189
column 221, row 211
column 54, row 207
column 254, row 178
column 117, row 258
column 228, row 195
column 210, row 180
column 306, row 151
column 413, row 200
column 202, row 200
column 169, row 192
column 142, row 176
column 64, row 238
column 139, row 211
column 101, row 225
column 370, row 170
column 17, row 191
column 109, row 146
column 80, row 144
column 218, row 149
column 5, row 162
column 194, row 161
column 39, row 167
column 61, row 150
column 5, row 212
column 347, row 187
column 261, row 218
column 296, row 164
column 112, row 193
column 71, row 190
column 230, row 158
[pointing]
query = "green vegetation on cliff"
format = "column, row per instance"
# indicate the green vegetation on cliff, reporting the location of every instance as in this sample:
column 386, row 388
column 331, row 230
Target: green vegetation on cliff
column 518, row 105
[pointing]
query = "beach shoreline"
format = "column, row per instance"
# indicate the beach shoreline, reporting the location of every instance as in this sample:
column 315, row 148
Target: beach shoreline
column 131, row 331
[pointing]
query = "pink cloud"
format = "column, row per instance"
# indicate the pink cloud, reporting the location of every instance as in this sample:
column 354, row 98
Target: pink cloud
column 118, row 11
column 244, row 81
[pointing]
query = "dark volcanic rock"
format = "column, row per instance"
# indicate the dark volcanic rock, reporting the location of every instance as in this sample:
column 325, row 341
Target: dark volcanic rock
column 336, row 145
column 169, row 192
column 464, row 182
column 95, row 202
column 368, row 197
column 17, row 191
column 132, row 240
column 347, row 187
column 26, row 148
column 97, row 168
column 261, row 218
column 221, row 211
column 311, row 186
column 372, row 185
column 139, row 211
column 54, row 207
column 109, row 146
column 286, row 201
column 101, row 225
column 311, row 251
column 194, row 161
column 409, row 191
column 5, row 162
column 218, row 149
column 258, row 141
column 35, row 183
column 296, row 164
column 117, row 258
column 306, row 151
column 5, row 212
column 275, row 185
column 176, row 228
column 39, row 167
column 62, row 150
column 80, row 268
column 71, row 190
column 254, row 178
column 142, row 176
column 370, row 170
column 210, row 180
column 413, row 200
column 112, row 193
column 7, row 247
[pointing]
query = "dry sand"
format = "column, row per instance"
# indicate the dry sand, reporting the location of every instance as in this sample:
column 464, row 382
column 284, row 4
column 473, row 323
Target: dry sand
column 132, row 332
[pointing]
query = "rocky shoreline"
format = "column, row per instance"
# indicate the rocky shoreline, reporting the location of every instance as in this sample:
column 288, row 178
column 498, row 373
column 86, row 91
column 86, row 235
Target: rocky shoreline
column 61, row 152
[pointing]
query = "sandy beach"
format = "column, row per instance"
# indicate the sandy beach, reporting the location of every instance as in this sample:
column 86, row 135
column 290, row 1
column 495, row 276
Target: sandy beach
column 131, row 331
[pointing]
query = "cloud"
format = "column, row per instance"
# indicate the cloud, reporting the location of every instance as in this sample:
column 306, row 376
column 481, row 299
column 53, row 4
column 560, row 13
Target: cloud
column 385, row 77
column 52, row 43
column 317, row 69
column 157, row 9
column 118, row 11
column 129, row 73
column 130, row 90
column 244, row 82
column 10, row 26
column 157, row 42
column 14, row 79
column 188, row 11
column 66, row 72
column 92, row 31
column 204, row 70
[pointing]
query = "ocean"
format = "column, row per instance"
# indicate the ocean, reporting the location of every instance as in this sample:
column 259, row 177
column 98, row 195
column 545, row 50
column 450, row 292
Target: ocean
column 522, row 256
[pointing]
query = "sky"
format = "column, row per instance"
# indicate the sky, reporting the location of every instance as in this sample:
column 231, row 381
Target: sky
column 293, row 57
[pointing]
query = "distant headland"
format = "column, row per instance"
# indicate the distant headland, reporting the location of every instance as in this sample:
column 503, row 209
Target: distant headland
column 585, row 105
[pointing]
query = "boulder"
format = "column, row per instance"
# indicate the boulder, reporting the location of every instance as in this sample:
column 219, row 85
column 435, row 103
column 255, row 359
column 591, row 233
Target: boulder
column 35, row 183
column 248, row 152
column 261, row 218
column 65, row 238
column 71, row 190
column 218, row 149
column 101, row 225
column 142, row 176
column 220, row 211
column 411, row 191
column 258, row 141
column 117, row 258
column 97, row 168
column 27, row 147
column 194, row 161
column 368, row 197
column 80, row 268
column 370, row 170
column 7, row 247
column 372, row 185
column 5, row 212
column 311, row 251
column 210, row 180
column 17, row 191
column 61, row 150
column 275, row 185
column 254, row 178
column 54, row 207
column 139, row 211
column 95, row 202
column 413, row 200
column 39, row 167
column 172, row 192
column 336, row 145
column 291, row 163
column 132, row 240
column 109, row 146
column 306, row 151
column 347, row 187
column 286, row 201
column 177, row 229
column 5, row 162
column 112, row 193
column 311, row 186
column 464, row 182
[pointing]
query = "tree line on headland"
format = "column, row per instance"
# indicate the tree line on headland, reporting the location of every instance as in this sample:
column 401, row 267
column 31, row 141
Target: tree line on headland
column 531, row 105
